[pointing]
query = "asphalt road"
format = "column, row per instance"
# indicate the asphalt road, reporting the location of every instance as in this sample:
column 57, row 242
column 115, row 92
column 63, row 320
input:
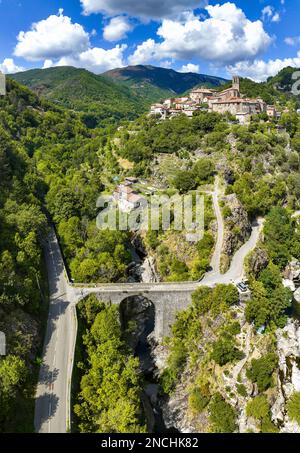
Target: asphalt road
column 52, row 396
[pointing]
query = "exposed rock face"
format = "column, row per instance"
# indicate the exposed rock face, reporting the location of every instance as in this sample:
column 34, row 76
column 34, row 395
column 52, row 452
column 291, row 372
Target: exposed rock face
column 288, row 347
column 292, row 271
column 257, row 261
column 148, row 271
column 289, row 284
column 297, row 295
column 237, row 229
column 176, row 413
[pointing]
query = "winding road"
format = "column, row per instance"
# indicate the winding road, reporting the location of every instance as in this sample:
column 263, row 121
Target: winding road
column 52, row 408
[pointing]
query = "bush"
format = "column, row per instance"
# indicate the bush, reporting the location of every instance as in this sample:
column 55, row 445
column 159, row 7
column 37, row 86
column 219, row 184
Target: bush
column 262, row 369
column 224, row 351
column 258, row 407
column 293, row 407
column 222, row 415
column 198, row 400
column 241, row 389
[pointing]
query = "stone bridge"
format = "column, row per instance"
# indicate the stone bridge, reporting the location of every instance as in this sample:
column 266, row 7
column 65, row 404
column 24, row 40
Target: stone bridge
column 167, row 298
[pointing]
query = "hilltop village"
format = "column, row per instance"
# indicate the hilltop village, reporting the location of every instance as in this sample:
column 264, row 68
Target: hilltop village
column 227, row 101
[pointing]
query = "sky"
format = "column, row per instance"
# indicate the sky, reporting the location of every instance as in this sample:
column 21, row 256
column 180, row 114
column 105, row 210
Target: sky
column 251, row 38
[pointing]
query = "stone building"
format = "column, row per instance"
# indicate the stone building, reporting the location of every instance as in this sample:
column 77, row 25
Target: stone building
column 202, row 95
column 236, row 105
column 127, row 198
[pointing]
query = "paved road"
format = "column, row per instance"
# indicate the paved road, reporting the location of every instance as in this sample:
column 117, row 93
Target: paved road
column 52, row 396
column 216, row 258
column 52, row 411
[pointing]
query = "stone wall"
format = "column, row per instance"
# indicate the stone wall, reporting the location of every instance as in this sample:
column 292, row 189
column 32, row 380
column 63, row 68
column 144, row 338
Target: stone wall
column 166, row 304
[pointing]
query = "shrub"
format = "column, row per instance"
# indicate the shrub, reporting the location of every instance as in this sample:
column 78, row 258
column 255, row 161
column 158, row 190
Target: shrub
column 293, row 407
column 258, row 407
column 224, row 351
column 261, row 370
column 198, row 400
column 241, row 389
column 222, row 415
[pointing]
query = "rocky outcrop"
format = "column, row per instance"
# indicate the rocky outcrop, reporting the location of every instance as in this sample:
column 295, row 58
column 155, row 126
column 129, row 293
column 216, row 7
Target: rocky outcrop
column 257, row 261
column 237, row 228
column 288, row 348
column 292, row 271
column 148, row 271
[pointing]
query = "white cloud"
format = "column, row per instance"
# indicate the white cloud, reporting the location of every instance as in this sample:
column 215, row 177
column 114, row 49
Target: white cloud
column 276, row 17
column 48, row 64
column 145, row 52
column 8, row 66
column 117, row 29
column 268, row 13
column 53, row 37
column 146, row 9
column 226, row 37
column 260, row 70
column 190, row 67
column 96, row 59
column 292, row 41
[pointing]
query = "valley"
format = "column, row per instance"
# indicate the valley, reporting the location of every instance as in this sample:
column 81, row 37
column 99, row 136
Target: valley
column 206, row 355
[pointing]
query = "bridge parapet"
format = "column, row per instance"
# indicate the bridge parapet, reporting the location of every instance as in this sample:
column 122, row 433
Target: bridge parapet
column 167, row 300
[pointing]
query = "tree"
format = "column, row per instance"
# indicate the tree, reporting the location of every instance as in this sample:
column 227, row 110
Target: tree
column 222, row 415
column 109, row 399
column 261, row 371
column 224, row 351
column 293, row 407
column 258, row 407
column 184, row 181
column 203, row 171
column 199, row 399
column 279, row 231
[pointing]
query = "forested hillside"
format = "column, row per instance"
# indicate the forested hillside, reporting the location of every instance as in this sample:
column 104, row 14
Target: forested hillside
column 111, row 97
column 23, row 289
column 49, row 164
column 153, row 83
column 100, row 101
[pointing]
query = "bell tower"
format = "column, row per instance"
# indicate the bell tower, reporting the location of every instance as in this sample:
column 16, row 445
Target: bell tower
column 236, row 83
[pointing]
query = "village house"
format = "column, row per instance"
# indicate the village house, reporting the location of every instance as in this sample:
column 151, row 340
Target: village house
column 158, row 110
column 2, row 84
column 127, row 198
column 202, row 95
column 271, row 111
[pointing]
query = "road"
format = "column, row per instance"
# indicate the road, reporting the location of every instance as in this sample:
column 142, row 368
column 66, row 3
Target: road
column 52, row 396
column 52, row 410
column 216, row 258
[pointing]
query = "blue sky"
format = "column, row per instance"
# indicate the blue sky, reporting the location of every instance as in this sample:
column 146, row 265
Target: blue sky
column 253, row 38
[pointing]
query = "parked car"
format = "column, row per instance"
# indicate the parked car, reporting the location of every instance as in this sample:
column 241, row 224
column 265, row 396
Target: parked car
column 242, row 287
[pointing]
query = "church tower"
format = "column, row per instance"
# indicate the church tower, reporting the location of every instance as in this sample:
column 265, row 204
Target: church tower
column 236, row 83
column 2, row 84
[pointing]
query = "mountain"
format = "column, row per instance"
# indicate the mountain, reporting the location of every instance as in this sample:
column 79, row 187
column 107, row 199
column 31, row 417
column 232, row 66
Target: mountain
column 100, row 100
column 153, row 82
column 115, row 95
